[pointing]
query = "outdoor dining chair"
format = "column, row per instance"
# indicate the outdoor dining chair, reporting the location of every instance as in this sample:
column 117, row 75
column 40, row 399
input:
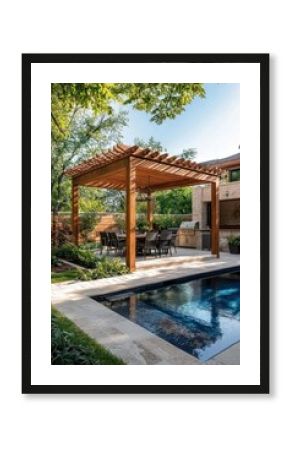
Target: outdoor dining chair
column 104, row 241
column 165, row 244
column 150, row 243
column 116, row 243
column 174, row 238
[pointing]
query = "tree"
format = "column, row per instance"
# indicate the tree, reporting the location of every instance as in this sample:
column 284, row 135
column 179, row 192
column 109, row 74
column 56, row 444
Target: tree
column 92, row 200
column 161, row 100
column 151, row 143
column 175, row 201
column 189, row 153
column 86, row 136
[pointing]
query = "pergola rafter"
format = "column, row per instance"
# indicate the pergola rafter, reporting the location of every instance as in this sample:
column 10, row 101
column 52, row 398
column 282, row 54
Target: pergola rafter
column 135, row 169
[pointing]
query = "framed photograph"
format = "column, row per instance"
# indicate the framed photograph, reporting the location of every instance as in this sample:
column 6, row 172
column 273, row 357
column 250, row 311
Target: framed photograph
column 134, row 279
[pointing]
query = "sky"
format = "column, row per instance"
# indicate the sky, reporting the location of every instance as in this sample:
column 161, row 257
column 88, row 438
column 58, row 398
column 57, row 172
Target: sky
column 211, row 125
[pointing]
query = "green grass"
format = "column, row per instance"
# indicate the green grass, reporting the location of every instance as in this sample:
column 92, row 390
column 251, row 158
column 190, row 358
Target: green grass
column 71, row 346
column 67, row 275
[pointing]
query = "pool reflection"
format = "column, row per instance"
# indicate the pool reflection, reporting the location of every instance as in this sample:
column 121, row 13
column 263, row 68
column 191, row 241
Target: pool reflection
column 201, row 316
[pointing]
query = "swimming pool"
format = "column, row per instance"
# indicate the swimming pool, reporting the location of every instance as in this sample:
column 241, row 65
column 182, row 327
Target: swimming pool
column 200, row 316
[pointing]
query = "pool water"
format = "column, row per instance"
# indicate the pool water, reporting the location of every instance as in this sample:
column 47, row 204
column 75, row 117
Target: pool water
column 201, row 316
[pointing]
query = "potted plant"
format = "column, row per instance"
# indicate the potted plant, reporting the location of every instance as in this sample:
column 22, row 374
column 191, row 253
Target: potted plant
column 234, row 244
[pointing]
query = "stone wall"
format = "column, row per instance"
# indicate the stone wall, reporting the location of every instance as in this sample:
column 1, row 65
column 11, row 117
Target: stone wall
column 193, row 238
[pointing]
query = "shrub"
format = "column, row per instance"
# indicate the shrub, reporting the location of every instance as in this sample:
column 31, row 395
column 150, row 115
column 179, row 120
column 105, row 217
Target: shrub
column 164, row 221
column 54, row 260
column 106, row 267
column 234, row 240
column 103, row 267
column 141, row 222
column 92, row 246
column 77, row 255
column 88, row 222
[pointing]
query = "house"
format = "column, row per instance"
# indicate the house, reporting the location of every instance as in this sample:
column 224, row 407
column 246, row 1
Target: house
column 229, row 204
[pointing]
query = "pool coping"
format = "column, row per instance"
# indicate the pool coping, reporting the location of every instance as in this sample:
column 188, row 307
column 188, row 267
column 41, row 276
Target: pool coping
column 125, row 339
column 148, row 287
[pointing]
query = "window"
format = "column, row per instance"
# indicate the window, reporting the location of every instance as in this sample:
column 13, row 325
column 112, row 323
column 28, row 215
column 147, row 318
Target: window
column 234, row 175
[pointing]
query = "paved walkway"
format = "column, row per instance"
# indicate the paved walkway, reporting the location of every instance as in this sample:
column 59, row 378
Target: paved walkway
column 125, row 339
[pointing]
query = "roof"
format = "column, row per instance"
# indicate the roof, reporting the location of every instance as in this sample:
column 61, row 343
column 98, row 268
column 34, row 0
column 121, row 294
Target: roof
column 229, row 160
column 154, row 170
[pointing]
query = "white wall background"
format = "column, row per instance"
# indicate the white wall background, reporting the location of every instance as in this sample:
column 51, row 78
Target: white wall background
column 128, row 422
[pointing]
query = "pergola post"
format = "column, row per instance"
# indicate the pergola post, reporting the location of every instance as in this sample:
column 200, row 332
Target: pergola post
column 215, row 218
column 150, row 211
column 131, row 214
column 75, row 213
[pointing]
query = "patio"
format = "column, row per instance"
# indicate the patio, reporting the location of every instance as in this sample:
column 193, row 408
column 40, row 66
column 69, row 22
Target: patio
column 139, row 171
column 182, row 256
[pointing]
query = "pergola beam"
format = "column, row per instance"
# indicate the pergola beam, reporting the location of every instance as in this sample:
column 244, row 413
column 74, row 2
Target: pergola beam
column 171, row 185
column 109, row 169
column 163, row 166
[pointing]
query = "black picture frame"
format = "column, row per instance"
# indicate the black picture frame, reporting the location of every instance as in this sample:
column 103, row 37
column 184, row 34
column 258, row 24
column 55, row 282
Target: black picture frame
column 263, row 61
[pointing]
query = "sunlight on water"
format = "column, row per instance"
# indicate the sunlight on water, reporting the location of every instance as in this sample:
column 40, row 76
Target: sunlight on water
column 201, row 317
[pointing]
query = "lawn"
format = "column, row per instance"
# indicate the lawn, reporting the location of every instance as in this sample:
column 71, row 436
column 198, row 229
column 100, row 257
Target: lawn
column 71, row 346
column 67, row 275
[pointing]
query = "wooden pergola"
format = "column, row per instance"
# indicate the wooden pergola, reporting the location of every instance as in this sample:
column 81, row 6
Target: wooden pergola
column 135, row 169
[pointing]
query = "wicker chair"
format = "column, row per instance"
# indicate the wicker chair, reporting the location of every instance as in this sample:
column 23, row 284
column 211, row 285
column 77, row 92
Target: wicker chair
column 174, row 238
column 116, row 243
column 165, row 242
column 150, row 243
column 104, row 241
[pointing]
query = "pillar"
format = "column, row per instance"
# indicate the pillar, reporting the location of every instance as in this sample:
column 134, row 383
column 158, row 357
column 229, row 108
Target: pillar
column 150, row 211
column 215, row 218
column 75, row 213
column 131, row 215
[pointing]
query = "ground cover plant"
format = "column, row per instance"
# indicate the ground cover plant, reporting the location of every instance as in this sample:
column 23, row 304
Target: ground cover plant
column 70, row 345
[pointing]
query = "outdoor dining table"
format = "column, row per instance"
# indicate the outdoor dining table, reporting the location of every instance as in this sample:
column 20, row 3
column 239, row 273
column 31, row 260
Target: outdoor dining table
column 138, row 235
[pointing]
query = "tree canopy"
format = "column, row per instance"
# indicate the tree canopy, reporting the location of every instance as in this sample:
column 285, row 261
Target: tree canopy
column 174, row 201
column 151, row 143
column 160, row 100
column 189, row 153
column 86, row 135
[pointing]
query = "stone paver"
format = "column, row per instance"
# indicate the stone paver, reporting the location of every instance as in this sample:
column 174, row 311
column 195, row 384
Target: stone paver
column 125, row 339
column 230, row 356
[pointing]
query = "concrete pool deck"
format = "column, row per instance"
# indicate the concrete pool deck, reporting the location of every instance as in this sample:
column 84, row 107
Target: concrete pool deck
column 125, row 339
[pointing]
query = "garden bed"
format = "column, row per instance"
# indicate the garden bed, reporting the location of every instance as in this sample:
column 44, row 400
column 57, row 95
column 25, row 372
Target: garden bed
column 78, row 263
